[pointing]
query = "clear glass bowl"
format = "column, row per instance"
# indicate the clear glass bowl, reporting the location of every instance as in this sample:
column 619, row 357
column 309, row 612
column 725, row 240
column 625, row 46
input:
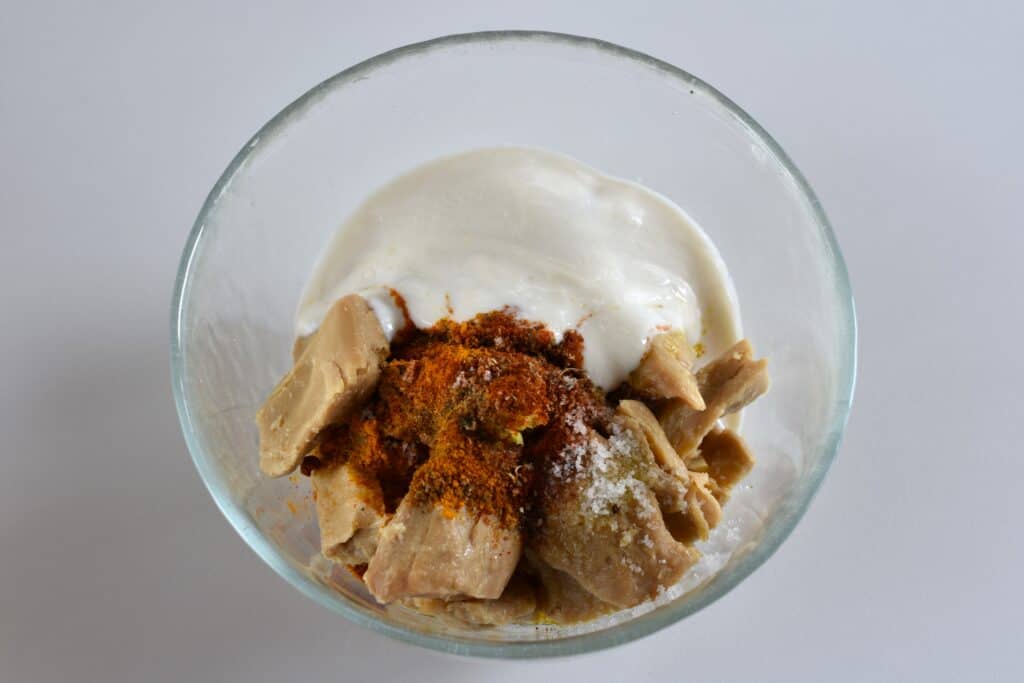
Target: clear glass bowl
column 629, row 115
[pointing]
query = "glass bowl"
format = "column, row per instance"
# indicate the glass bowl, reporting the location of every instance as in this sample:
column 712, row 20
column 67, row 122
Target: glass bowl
column 266, row 220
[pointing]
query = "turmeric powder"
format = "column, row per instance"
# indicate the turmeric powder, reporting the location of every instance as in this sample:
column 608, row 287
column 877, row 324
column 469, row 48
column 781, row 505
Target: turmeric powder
column 464, row 410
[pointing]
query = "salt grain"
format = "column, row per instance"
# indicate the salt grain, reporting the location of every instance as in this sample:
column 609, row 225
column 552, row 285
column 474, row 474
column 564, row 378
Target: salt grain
column 611, row 484
column 631, row 565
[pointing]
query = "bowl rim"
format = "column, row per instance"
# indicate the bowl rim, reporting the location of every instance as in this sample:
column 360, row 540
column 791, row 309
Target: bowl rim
column 787, row 516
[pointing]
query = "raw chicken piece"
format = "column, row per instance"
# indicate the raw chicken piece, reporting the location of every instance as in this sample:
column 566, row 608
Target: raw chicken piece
column 350, row 512
column 456, row 532
column 666, row 371
column 562, row 599
column 728, row 384
column 728, row 460
column 639, row 417
column 431, row 552
column 337, row 370
column 298, row 346
column 605, row 529
column 702, row 514
column 516, row 604
column 706, row 491
column 669, row 489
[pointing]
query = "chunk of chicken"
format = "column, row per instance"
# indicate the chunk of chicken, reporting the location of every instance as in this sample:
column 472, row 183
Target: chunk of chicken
column 668, row 490
column 562, row 600
column 640, row 419
column 728, row 384
column 350, row 512
column 337, row 370
column 666, row 371
column 606, row 530
column 517, row 603
column 728, row 460
column 723, row 457
column 298, row 346
column 429, row 552
column 669, row 487
column 702, row 514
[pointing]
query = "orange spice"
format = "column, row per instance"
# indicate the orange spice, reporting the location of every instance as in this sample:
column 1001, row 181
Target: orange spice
column 496, row 394
column 465, row 472
column 385, row 465
column 463, row 413
column 502, row 330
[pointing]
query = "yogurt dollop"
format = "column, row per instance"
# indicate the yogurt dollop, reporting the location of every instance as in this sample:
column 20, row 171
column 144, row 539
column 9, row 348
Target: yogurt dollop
column 542, row 233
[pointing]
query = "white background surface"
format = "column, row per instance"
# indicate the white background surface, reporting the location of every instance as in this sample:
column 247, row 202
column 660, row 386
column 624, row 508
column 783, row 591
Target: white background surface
column 115, row 120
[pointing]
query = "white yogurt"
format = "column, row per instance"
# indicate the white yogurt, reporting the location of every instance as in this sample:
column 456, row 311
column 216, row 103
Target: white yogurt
column 555, row 239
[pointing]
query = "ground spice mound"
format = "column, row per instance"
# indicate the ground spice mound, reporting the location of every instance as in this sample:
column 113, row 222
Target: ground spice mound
column 466, row 414
column 485, row 476
column 492, row 394
column 374, row 456
column 503, row 331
